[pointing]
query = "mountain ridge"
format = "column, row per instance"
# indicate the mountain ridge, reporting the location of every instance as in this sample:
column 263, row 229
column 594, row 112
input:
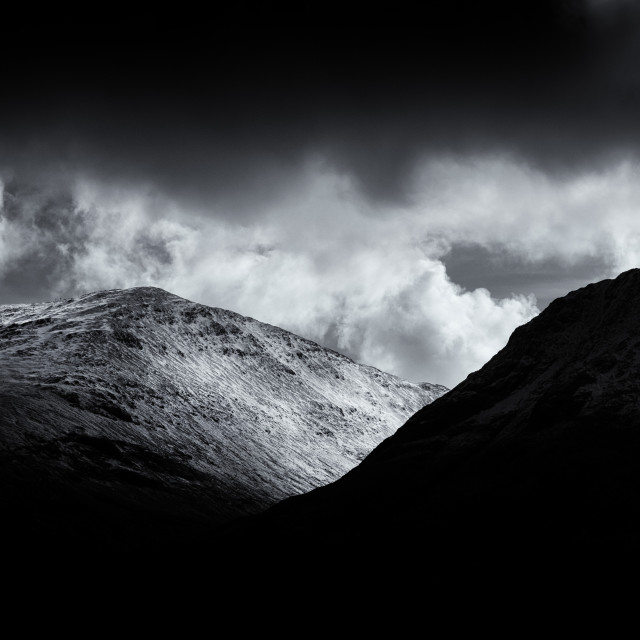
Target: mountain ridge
column 533, row 458
column 156, row 405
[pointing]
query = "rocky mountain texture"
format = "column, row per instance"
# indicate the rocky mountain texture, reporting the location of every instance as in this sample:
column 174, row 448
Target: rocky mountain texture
column 135, row 415
column 534, row 457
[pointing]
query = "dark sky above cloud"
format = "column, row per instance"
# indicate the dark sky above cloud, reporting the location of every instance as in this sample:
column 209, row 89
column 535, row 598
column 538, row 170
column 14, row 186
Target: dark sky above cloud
column 456, row 157
column 474, row 265
column 205, row 108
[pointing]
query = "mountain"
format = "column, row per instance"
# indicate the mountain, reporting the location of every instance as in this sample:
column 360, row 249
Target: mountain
column 133, row 417
column 531, row 461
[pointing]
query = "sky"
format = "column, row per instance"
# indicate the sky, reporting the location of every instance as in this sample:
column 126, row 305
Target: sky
column 405, row 187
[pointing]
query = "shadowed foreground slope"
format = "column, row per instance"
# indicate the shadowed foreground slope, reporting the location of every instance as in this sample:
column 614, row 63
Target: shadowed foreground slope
column 534, row 457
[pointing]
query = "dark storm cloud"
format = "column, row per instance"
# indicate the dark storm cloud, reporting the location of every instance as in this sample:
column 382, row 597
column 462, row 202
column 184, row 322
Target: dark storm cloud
column 228, row 114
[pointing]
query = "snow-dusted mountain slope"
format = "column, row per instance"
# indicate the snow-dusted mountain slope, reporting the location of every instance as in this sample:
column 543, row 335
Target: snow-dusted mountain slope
column 146, row 399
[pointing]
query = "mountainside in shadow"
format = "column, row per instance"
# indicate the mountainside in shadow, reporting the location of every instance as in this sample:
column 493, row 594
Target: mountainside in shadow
column 534, row 457
column 131, row 417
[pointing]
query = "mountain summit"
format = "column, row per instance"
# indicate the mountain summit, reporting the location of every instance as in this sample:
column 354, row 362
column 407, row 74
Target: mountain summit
column 533, row 456
column 131, row 415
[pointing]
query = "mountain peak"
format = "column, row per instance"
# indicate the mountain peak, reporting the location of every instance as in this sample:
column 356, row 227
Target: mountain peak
column 144, row 400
